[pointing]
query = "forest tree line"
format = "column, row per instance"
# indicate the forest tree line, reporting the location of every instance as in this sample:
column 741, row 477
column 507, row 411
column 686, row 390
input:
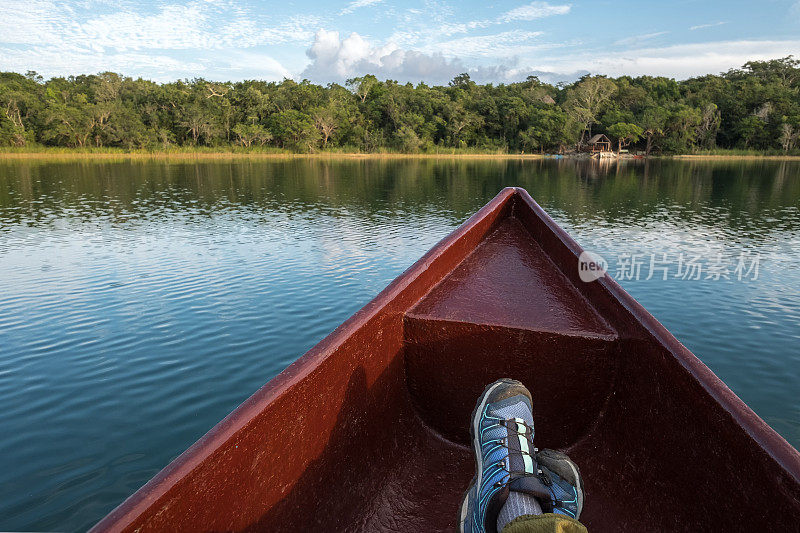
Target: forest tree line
column 755, row 107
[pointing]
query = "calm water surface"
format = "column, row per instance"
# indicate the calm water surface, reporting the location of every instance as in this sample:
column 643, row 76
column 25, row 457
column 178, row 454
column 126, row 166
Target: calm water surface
column 141, row 302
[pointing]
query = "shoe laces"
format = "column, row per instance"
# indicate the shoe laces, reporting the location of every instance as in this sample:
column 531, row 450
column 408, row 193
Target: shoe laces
column 512, row 425
column 515, row 428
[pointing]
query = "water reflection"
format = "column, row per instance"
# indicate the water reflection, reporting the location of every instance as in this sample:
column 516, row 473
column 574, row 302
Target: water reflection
column 142, row 301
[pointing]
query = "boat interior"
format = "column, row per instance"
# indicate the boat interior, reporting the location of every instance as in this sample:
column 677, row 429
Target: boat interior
column 369, row 430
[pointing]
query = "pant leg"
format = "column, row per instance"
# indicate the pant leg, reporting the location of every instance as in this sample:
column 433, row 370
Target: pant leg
column 544, row 523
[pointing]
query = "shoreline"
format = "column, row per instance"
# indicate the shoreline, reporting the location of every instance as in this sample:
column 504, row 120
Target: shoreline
column 251, row 155
column 733, row 157
column 223, row 155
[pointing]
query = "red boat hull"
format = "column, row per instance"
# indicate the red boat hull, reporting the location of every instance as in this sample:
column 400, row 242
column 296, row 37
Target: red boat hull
column 368, row 430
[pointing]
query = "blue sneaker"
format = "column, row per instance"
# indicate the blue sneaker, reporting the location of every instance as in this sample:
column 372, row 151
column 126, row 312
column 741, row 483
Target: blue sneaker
column 563, row 480
column 505, row 461
column 502, row 439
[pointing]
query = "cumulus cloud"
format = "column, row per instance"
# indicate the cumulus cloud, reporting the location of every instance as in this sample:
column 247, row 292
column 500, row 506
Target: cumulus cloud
column 535, row 10
column 336, row 59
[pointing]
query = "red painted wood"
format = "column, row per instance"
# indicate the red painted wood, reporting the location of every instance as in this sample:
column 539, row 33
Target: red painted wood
column 509, row 280
column 366, row 431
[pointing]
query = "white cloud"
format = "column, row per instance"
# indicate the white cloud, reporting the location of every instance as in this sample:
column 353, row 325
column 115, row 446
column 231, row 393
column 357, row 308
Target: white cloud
column 535, row 10
column 60, row 37
column 201, row 24
column 49, row 61
column 339, row 58
column 173, row 27
column 447, row 29
column 238, row 64
column 504, row 44
column 428, row 29
column 336, row 59
column 32, row 21
column 637, row 39
column 680, row 61
column 352, row 6
column 220, row 65
column 703, row 26
column 194, row 25
column 223, row 39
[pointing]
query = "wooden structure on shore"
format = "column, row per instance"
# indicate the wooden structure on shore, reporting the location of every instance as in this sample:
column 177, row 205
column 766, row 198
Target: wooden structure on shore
column 598, row 144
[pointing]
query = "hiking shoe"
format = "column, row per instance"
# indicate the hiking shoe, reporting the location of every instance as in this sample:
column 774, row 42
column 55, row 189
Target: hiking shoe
column 563, row 480
column 502, row 439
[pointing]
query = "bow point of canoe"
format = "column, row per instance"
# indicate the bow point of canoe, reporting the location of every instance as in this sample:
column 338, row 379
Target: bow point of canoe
column 369, row 429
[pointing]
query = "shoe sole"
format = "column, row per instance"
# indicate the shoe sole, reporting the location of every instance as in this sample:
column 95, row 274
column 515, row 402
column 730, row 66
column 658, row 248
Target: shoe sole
column 579, row 488
column 473, row 431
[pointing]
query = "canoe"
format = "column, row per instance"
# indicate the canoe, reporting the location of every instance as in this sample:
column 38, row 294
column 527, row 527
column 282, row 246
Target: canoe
column 369, row 429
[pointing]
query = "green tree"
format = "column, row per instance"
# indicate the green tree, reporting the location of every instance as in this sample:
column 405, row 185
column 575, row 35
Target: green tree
column 625, row 134
column 755, row 106
column 549, row 130
column 362, row 86
column 252, row 134
column 587, row 99
column 69, row 117
column 681, row 128
column 710, row 120
column 750, row 129
column 407, row 140
column 19, row 96
column 295, row 130
column 461, row 123
column 653, row 122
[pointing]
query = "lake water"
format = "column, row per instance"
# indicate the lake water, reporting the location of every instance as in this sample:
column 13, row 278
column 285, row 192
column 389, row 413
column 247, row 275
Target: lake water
column 142, row 301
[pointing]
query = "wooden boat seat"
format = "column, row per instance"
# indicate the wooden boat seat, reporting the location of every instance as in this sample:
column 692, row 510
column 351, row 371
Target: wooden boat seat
column 507, row 310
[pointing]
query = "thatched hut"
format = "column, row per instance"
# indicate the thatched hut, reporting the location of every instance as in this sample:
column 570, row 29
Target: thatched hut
column 598, row 143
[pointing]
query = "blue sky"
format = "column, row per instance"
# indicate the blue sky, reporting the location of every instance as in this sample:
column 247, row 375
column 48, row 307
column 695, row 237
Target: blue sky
column 408, row 40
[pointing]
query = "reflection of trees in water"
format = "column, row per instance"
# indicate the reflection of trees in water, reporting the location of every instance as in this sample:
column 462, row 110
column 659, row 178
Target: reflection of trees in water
column 750, row 193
